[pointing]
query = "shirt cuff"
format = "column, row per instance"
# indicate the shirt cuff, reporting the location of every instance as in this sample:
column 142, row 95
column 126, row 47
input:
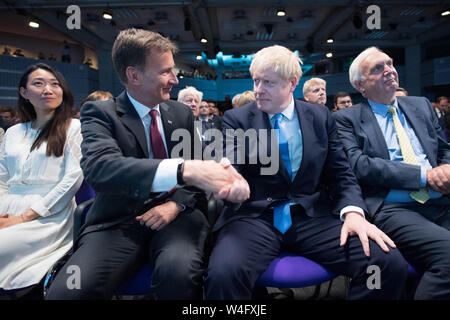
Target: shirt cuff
column 423, row 177
column 166, row 175
column 351, row 208
column 40, row 209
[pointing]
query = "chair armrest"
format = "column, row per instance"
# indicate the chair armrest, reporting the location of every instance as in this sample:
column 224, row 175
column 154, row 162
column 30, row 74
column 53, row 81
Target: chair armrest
column 79, row 215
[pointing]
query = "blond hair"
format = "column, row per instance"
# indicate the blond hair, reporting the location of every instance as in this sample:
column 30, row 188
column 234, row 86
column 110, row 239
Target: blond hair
column 307, row 86
column 278, row 58
column 243, row 98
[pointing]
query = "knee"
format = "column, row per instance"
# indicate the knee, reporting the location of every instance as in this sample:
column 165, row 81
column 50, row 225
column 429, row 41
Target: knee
column 176, row 266
column 391, row 263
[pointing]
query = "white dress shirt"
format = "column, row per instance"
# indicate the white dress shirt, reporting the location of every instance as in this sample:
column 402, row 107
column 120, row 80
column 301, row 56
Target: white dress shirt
column 165, row 178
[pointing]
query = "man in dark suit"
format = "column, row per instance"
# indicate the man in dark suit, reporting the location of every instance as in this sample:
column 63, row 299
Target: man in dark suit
column 394, row 145
column 143, row 210
column 311, row 205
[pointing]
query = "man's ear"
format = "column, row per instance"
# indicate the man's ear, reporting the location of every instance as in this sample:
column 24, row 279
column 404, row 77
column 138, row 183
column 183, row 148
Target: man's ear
column 293, row 83
column 359, row 86
column 133, row 75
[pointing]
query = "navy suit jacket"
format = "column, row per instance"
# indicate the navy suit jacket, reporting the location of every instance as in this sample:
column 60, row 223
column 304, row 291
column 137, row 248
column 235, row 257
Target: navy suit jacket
column 324, row 183
column 368, row 154
column 115, row 159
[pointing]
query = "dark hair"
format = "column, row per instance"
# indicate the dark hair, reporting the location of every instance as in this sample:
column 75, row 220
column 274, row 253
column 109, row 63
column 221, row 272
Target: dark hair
column 55, row 130
column 132, row 46
column 340, row 94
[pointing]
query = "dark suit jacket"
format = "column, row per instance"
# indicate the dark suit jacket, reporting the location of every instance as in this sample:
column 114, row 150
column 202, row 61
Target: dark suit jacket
column 115, row 158
column 324, row 183
column 368, row 154
column 216, row 122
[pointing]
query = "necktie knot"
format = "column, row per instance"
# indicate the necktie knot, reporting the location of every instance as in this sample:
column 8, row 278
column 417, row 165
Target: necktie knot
column 153, row 113
column 392, row 110
column 278, row 117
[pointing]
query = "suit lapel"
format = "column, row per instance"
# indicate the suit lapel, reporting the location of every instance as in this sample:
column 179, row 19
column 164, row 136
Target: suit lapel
column 131, row 120
column 167, row 119
column 306, row 120
column 369, row 125
column 417, row 121
column 260, row 120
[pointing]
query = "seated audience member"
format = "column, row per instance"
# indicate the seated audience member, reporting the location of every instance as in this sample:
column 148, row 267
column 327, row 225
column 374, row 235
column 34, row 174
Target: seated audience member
column 18, row 53
column 310, row 204
column 214, row 115
column 65, row 52
column 314, row 91
column 342, row 100
column 192, row 98
column 8, row 114
column 243, row 98
column 144, row 211
column 37, row 190
column 214, row 111
column 88, row 62
column 7, row 51
column 98, row 95
column 402, row 163
column 401, row 92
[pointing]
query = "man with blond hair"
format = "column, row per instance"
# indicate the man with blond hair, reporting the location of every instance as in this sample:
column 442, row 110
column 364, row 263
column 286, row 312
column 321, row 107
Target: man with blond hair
column 311, row 206
column 395, row 148
column 315, row 91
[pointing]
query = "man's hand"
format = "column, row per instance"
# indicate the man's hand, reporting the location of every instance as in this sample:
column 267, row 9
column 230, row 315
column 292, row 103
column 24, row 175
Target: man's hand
column 356, row 224
column 158, row 217
column 219, row 178
column 439, row 178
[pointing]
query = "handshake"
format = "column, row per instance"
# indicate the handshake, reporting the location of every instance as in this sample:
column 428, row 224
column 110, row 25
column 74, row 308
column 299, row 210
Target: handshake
column 219, row 178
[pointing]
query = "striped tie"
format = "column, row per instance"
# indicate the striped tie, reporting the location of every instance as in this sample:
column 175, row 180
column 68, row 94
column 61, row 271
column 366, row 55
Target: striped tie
column 408, row 154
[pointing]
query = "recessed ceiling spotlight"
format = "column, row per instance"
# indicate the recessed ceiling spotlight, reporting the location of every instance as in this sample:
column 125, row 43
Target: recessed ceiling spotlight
column 330, row 40
column 329, row 54
column 281, row 12
column 33, row 24
column 107, row 15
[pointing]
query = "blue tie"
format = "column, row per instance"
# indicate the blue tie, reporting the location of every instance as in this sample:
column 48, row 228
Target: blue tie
column 282, row 213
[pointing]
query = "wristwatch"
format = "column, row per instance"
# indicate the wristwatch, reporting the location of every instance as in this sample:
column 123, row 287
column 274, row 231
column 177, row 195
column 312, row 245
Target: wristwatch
column 180, row 168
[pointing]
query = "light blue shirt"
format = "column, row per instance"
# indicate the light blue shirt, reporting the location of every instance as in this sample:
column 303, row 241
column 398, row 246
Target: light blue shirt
column 166, row 174
column 386, row 124
column 291, row 128
column 290, row 125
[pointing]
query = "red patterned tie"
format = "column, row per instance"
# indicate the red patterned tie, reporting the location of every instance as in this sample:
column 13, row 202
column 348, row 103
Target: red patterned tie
column 159, row 152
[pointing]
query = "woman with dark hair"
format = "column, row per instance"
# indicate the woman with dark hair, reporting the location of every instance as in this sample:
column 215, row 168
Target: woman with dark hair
column 39, row 176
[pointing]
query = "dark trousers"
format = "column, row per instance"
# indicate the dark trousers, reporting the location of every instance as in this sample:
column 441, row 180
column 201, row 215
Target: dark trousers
column 244, row 249
column 108, row 258
column 422, row 234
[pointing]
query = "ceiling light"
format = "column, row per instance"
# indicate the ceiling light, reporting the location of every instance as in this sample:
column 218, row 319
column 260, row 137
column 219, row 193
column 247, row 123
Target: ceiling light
column 281, row 12
column 107, row 15
column 199, row 57
column 330, row 40
column 203, row 40
column 33, row 24
column 445, row 13
column 329, row 54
